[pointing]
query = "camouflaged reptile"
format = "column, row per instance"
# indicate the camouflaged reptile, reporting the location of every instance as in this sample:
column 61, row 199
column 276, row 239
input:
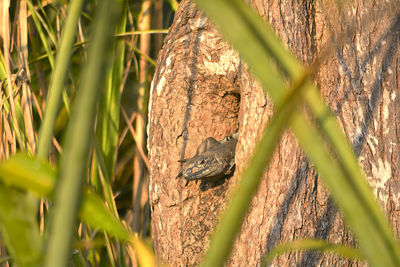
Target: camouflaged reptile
column 213, row 160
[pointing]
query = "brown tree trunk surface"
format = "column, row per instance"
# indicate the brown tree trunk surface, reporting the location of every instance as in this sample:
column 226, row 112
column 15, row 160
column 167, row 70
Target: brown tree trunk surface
column 201, row 88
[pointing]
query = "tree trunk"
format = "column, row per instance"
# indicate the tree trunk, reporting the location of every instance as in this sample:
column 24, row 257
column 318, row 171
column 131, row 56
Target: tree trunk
column 201, row 88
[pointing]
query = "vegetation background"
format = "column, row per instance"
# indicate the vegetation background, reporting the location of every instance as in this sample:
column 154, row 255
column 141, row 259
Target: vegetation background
column 73, row 113
column 31, row 51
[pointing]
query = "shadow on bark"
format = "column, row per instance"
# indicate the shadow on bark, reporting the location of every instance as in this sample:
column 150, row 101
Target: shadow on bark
column 312, row 258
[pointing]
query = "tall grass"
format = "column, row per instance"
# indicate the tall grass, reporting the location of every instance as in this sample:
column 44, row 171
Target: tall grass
column 64, row 68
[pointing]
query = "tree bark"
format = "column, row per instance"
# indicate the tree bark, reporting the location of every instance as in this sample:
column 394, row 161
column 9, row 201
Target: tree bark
column 201, row 88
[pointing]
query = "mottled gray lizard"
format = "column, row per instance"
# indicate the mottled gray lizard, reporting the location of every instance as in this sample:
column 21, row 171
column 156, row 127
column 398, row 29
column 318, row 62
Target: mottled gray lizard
column 213, row 160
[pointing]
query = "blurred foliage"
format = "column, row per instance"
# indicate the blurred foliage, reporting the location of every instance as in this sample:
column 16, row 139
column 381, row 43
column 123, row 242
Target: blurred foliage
column 46, row 47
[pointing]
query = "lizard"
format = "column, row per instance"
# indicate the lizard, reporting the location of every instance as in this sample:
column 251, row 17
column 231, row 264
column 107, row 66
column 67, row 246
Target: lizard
column 213, row 160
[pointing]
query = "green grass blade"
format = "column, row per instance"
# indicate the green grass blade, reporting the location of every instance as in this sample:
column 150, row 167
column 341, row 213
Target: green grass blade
column 46, row 23
column 257, row 44
column 42, row 34
column 372, row 242
column 57, row 80
column 109, row 111
column 3, row 72
column 232, row 218
column 4, row 259
column 17, row 124
column 110, row 105
column 77, row 141
column 146, row 57
column 95, row 213
column 106, row 186
column 312, row 244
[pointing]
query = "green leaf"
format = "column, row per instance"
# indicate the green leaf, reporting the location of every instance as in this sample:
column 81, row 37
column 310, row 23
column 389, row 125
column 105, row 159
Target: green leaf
column 28, row 173
column 38, row 177
column 19, row 227
column 94, row 212
column 18, row 210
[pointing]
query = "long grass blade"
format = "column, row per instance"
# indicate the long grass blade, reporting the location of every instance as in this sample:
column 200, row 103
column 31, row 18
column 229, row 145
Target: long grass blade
column 58, row 78
column 232, row 218
column 42, row 34
column 109, row 110
column 364, row 215
column 77, row 143
column 313, row 244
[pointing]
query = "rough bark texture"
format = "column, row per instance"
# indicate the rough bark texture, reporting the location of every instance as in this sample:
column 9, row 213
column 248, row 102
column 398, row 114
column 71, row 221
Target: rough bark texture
column 202, row 89
column 195, row 95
